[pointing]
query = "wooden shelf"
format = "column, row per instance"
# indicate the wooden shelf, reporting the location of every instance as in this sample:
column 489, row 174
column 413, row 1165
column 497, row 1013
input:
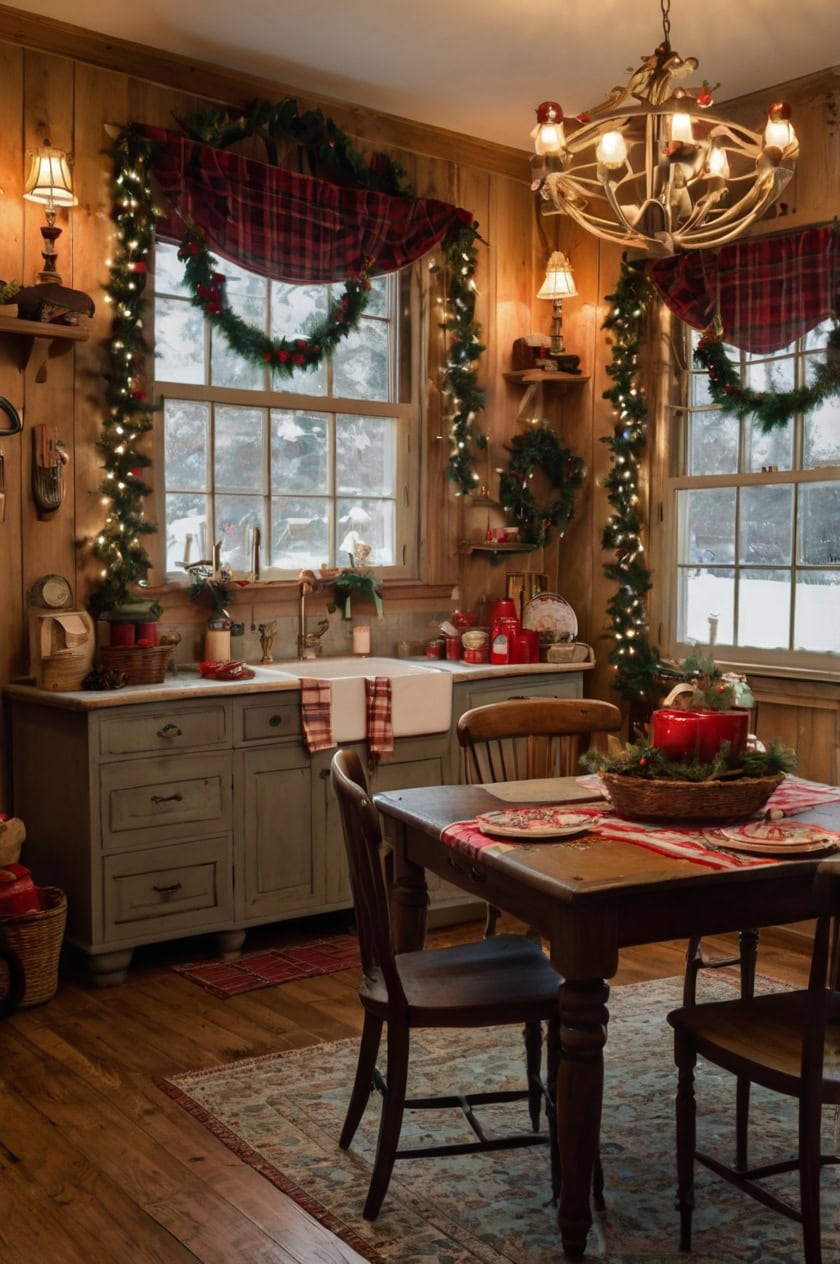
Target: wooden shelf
column 526, row 377
column 482, row 546
column 42, row 329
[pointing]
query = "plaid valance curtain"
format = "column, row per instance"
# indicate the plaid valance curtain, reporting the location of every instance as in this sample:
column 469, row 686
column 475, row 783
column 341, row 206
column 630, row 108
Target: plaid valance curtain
column 286, row 226
column 766, row 292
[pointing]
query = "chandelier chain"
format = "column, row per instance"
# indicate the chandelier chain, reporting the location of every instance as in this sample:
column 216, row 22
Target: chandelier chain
column 665, row 6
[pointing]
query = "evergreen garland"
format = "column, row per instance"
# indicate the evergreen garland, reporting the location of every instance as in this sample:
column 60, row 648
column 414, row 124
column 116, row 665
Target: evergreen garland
column 771, row 409
column 539, row 448
column 634, row 660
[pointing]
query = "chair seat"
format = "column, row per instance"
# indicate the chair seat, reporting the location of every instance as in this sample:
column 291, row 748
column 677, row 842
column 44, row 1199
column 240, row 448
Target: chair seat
column 505, row 979
column 763, row 1037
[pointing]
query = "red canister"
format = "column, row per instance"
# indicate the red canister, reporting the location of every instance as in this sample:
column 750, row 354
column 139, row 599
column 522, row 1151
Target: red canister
column 698, row 734
column 122, row 633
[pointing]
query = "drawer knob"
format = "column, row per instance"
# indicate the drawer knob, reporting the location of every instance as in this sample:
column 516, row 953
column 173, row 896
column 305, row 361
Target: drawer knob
column 276, row 721
column 170, row 890
column 170, row 730
column 167, row 798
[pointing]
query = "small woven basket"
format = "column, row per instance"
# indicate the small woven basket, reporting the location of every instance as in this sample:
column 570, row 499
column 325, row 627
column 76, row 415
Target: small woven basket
column 36, row 939
column 141, row 664
column 638, row 798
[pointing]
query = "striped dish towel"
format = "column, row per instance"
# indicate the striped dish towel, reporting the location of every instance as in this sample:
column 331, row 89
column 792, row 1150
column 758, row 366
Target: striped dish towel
column 316, row 713
column 797, row 795
column 380, row 732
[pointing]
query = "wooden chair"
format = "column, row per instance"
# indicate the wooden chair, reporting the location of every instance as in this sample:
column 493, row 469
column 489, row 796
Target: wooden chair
column 788, row 1042
column 491, row 982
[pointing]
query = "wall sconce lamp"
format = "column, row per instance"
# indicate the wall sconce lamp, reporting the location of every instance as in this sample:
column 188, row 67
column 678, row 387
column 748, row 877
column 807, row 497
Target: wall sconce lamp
column 49, row 183
column 559, row 283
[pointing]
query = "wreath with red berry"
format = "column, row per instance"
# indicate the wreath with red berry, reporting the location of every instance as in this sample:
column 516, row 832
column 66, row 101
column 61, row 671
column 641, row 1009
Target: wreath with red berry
column 771, row 409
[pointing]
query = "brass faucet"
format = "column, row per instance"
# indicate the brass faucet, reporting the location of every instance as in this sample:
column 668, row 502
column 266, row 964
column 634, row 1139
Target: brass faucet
column 308, row 643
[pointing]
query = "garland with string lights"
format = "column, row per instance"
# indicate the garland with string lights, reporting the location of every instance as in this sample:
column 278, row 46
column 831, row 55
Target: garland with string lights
column 634, row 660
column 539, row 448
column 129, row 417
column 771, row 409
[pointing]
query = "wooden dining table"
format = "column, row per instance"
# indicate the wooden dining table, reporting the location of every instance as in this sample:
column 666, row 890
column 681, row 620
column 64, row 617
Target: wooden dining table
column 589, row 897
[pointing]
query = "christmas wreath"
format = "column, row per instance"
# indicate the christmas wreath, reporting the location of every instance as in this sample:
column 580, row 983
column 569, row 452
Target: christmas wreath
column 539, row 448
column 771, row 409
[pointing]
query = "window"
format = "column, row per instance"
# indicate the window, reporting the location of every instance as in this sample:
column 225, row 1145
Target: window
column 308, row 460
column 756, row 521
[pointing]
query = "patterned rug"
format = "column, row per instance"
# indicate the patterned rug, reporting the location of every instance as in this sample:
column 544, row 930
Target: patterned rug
column 274, row 965
column 282, row 1114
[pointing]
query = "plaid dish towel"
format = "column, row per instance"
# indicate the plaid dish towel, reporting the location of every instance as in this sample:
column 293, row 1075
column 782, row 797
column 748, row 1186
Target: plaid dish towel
column 316, row 713
column 380, row 732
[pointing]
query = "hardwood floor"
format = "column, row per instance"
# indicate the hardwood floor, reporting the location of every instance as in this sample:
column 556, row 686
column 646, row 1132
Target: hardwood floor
column 97, row 1166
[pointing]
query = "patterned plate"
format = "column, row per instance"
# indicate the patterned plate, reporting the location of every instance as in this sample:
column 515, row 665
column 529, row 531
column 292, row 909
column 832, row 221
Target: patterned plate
column 777, row 838
column 534, row 823
column 552, row 617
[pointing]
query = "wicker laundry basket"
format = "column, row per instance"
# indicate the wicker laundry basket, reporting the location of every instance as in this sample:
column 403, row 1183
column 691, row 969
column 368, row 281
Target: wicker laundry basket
column 36, row 938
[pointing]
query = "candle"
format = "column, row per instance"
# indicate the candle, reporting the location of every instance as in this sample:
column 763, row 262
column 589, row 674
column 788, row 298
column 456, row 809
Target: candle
column 361, row 639
column 187, row 550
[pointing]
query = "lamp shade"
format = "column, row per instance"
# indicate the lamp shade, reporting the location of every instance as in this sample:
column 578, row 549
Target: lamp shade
column 559, row 279
column 49, row 180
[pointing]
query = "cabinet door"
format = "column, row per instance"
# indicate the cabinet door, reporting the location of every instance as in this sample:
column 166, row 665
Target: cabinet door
column 282, row 858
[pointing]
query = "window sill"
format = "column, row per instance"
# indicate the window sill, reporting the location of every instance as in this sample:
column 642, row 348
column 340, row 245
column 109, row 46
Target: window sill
column 396, row 593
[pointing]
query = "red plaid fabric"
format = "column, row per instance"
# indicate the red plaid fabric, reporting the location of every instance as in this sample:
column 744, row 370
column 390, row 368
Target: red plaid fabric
column 316, row 713
column 380, row 732
column 286, row 226
column 765, row 291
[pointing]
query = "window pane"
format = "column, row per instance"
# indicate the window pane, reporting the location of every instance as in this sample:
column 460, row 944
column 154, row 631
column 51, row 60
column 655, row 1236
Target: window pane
column 299, row 531
column 185, row 444
column 821, row 445
column 818, row 337
column 764, row 609
column 179, row 342
column 378, row 297
column 365, row 454
column 169, row 270
column 771, row 375
column 766, row 524
column 819, row 524
column 239, row 449
column 235, row 515
column 712, row 443
column 699, row 393
column 373, row 522
column 246, row 294
column 186, row 514
column 817, row 625
column 766, row 450
column 232, row 370
column 707, row 525
column 299, row 451
column 706, row 601
column 293, row 309
column 360, row 362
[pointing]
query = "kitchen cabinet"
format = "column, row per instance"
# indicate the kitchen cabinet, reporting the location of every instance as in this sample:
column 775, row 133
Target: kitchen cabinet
column 186, row 815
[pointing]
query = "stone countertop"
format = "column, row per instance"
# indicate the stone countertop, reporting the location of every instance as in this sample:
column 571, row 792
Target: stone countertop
column 187, row 683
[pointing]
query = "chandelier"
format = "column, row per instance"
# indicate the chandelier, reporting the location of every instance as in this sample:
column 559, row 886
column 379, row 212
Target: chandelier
column 654, row 168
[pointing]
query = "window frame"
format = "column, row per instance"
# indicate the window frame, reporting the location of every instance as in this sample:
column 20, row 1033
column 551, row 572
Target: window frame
column 670, row 457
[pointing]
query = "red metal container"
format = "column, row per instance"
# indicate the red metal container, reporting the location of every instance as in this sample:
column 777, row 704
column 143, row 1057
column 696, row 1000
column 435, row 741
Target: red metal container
column 698, row 734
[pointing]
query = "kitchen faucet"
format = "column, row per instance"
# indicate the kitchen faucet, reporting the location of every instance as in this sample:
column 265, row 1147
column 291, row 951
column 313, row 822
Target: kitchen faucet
column 308, row 643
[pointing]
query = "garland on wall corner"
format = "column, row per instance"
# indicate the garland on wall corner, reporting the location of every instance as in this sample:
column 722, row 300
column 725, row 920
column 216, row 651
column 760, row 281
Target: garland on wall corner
column 770, row 409
column 129, row 416
column 459, row 377
column 539, row 448
column 632, row 657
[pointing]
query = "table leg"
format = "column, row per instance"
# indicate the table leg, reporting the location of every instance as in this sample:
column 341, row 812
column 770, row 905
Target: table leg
column 409, row 899
column 580, row 1091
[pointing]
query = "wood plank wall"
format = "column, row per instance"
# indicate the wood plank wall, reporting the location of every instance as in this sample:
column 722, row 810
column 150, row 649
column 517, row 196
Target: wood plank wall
column 65, row 83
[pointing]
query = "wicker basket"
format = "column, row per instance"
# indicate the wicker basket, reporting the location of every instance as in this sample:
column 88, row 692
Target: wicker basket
column 141, row 664
column 36, row 938
column 640, row 799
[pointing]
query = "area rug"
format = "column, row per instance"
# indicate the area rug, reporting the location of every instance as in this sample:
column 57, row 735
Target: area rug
column 273, row 966
column 282, row 1114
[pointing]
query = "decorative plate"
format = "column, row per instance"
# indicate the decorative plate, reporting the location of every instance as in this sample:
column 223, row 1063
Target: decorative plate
column 534, row 823
column 775, row 838
column 552, row 617
column 52, row 592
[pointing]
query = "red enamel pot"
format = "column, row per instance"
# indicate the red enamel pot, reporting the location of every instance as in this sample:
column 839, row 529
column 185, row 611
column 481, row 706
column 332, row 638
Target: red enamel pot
column 697, row 735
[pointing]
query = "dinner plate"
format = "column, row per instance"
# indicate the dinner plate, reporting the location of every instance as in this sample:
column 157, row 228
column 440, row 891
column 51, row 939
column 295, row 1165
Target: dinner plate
column 551, row 616
column 533, row 823
column 778, row 838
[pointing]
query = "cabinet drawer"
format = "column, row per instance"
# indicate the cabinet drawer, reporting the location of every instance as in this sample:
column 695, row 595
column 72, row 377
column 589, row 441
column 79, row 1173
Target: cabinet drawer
column 566, row 686
column 171, row 728
column 149, row 801
column 269, row 721
column 168, row 891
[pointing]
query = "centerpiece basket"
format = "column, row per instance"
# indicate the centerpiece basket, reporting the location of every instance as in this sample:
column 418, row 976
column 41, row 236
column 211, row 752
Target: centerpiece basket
column 647, row 799
column 140, row 664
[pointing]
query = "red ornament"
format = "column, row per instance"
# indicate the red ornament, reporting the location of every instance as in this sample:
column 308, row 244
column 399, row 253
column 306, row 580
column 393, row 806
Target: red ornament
column 779, row 111
column 137, row 266
column 282, row 356
column 549, row 112
column 298, row 358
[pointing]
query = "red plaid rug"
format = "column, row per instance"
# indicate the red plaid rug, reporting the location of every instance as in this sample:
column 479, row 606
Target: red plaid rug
column 273, row 966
